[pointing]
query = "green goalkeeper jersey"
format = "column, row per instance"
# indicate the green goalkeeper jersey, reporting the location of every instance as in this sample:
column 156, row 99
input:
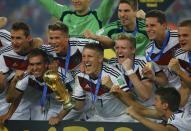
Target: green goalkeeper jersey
column 93, row 20
column 113, row 29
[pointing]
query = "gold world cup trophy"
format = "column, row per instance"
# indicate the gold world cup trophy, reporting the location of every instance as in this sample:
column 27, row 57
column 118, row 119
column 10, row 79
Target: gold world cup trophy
column 54, row 82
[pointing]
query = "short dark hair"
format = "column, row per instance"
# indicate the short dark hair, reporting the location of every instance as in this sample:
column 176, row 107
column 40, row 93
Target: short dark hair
column 128, row 37
column 95, row 46
column 171, row 96
column 160, row 15
column 184, row 23
column 59, row 26
column 132, row 3
column 38, row 52
column 21, row 26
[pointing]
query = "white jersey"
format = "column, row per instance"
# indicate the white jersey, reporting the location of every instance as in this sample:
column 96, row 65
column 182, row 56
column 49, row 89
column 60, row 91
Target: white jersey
column 29, row 107
column 107, row 105
column 5, row 38
column 182, row 120
column 9, row 62
column 168, row 53
column 139, row 63
column 4, row 106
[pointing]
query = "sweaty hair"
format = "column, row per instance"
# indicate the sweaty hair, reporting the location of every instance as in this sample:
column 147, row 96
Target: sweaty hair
column 58, row 26
column 171, row 96
column 21, row 26
column 39, row 52
column 132, row 3
column 184, row 23
column 157, row 14
column 128, row 37
column 96, row 47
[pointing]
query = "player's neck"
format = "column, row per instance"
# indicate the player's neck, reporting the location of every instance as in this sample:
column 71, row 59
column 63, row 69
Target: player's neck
column 26, row 49
column 83, row 12
column 95, row 75
column 160, row 40
column 131, row 26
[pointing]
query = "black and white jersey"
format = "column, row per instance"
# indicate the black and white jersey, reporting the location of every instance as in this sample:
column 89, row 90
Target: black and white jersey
column 182, row 120
column 167, row 54
column 5, row 38
column 10, row 61
column 106, row 105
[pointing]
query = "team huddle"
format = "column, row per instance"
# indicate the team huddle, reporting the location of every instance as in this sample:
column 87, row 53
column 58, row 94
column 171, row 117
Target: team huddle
column 149, row 75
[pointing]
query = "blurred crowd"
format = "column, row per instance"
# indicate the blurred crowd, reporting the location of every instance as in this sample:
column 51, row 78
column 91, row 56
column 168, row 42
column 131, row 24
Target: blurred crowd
column 38, row 18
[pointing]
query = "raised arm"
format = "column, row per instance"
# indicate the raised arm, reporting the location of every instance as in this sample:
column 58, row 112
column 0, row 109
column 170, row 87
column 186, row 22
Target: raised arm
column 143, row 87
column 175, row 66
column 11, row 109
column 104, row 40
column 148, row 123
column 54, row 8
column 104, row 11
column 56, row 119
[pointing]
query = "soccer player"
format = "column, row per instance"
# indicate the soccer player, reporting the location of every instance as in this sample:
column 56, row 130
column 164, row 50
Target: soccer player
column 167, row 101
column 66, row 51
column 181, row 65
column 32, row 90
column 131, row 66
column 163, row 44
column 88, row 85
column 127, row 23
column 13, row 57
column 81, row 18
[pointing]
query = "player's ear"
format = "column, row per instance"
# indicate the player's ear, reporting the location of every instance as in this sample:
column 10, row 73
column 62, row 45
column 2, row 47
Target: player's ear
column 100, row 59
column 29, row 37
column 165, row 105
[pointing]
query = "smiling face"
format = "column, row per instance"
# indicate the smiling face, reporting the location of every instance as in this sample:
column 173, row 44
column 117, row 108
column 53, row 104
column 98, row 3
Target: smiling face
column 92, row 61
column 81, row 6
column 184, row 34
column 59, row 41
column 155, row 30
column 124, row 50
column 37, row 66
column 126, row 14
column 19, row 41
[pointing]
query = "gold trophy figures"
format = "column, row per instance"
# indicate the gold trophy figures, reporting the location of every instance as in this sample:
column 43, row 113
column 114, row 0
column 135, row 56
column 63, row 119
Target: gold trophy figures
column 53, row 81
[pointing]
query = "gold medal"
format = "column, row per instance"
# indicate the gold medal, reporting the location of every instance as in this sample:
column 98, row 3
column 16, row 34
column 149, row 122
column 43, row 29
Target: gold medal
column 148, row 65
